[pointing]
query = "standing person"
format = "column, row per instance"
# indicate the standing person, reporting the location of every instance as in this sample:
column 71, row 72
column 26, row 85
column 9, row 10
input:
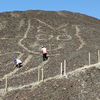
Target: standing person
column 44, row 52
column 17, row 63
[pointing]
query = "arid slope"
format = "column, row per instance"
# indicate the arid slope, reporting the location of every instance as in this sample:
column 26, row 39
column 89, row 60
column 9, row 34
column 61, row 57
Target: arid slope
column 67, row 36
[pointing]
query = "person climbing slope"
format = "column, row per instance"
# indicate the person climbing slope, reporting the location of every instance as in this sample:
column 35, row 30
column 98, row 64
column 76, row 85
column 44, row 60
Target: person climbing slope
column 44, row 52
column 17, row 63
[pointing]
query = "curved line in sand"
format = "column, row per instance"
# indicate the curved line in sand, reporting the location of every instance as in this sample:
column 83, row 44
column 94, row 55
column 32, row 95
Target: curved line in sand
column 67, row 76
column 80, row 38
column 25, row 36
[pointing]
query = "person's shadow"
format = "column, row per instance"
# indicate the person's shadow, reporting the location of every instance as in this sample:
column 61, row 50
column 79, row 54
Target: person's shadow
column 47, row 58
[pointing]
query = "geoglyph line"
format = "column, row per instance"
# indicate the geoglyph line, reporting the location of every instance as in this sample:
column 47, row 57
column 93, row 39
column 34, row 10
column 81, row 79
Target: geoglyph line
column 82, row 69
column 77, row 33
column 32, row 69
column 8, row 53
column 49, row 25
column 39, row 35
column 65, row 35
column 69, row 37
column 42, row 64
column 51, row 36
column 21, row 87
column 32, row 84
column 55, row 77
column 27, row 60
column 11, row 53
column 21, row 54
column 44, row 23
column 61, row 44
column 30, row 56
column 80, row 38
column 62, row 26
column 24, row 63
column 12, row 73
column 60, row 13
column 25, row 36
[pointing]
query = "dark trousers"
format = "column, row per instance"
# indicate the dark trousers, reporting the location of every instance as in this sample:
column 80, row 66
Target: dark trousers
column 18, row 65
column 44, row 56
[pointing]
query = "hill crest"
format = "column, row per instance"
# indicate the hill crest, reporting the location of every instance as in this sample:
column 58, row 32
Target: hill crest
column 67, row 36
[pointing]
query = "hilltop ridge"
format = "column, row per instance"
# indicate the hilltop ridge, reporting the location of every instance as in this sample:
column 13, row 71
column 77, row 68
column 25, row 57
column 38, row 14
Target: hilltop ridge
column 67, row 36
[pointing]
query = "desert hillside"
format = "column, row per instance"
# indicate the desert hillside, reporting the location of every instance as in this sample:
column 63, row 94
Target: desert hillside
column 67, row 36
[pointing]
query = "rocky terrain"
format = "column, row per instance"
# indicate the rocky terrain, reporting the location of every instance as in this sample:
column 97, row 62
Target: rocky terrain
column 67, row 36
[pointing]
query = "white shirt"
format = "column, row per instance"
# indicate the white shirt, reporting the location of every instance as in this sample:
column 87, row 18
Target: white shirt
column 18, row 61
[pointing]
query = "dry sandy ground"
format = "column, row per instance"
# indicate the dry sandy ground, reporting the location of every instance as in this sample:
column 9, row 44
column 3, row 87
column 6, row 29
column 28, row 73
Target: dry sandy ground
column 67, row 36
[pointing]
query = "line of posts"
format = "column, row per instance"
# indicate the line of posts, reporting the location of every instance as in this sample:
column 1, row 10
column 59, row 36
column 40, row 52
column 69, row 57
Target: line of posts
column 61, row 72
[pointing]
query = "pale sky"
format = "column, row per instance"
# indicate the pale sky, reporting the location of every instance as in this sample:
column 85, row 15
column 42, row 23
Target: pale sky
column 87, row 7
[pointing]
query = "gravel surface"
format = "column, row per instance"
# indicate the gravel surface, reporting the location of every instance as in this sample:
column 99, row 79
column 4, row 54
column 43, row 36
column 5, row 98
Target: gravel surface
column 67, row 36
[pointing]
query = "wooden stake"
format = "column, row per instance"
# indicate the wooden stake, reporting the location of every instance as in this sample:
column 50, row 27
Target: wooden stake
column 42, row 74
column 61, row 69
column 89, row 58
column 38, row 74
column 64, row 67
column 6, row 84
column 98, row 56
